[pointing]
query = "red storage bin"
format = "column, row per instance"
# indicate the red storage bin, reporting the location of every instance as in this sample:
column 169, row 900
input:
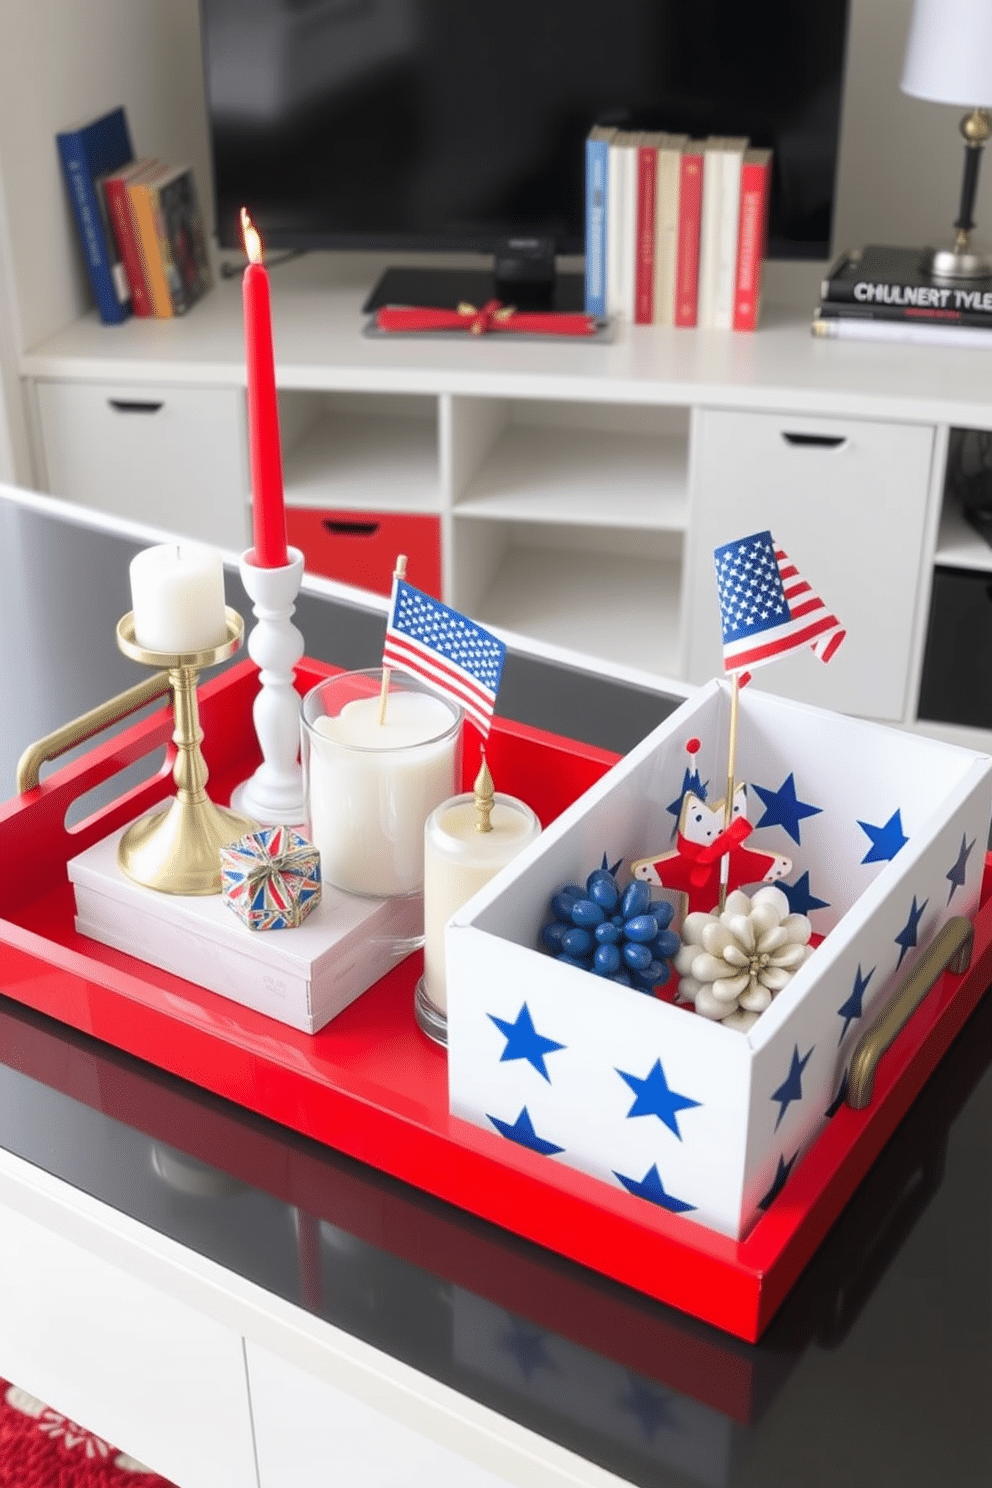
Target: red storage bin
column 360, row 547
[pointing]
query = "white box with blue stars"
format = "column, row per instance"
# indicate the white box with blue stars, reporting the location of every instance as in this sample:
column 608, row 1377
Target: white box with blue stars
column 887, row 833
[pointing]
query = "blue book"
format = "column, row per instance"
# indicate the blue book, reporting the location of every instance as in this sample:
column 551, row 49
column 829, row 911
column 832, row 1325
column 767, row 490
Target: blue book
column 94, row 151
column 597, row 165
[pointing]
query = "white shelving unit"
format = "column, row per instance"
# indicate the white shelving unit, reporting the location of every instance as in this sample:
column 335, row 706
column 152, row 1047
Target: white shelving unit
column 577, row 490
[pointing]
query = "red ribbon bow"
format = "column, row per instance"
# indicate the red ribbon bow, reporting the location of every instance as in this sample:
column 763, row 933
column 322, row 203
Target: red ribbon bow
column 729, row 838
column 492, row 316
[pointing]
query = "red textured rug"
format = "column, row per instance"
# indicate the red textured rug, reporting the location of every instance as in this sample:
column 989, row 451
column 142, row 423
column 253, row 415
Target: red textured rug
column 41, row 1448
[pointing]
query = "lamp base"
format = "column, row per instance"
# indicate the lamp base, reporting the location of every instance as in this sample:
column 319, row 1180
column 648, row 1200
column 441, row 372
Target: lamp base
column 956, row 264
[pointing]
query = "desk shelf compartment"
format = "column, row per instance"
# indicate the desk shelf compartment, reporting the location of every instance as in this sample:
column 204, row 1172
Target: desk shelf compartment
column 371, row 1086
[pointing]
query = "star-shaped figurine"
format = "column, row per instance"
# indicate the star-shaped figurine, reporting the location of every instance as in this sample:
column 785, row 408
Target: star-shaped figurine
column 524, row 1042
column 906, row 937
column 522, row 1131
column 791, row 1088
column 778, row 1182
column 654, row 1098
column 801, row 901
column 957, row 873
column 851, row 1009
column 886, row 840
column 651, row 1187
column 784, row 809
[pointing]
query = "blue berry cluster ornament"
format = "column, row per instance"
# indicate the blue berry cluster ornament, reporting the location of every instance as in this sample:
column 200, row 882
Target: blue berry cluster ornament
column 620, row 934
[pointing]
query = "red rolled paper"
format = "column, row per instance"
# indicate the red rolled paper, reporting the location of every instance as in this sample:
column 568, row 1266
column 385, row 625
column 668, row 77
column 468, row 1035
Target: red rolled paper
column 493, row 316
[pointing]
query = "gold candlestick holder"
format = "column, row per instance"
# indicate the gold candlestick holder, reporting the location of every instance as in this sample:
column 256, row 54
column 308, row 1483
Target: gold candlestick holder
column 177, row 850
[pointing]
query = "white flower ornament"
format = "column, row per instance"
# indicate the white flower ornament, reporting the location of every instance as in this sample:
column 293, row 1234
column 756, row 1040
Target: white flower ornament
column 732, row 964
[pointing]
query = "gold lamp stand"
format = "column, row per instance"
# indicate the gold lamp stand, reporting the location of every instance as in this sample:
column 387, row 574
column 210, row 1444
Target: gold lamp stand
column 177, row 850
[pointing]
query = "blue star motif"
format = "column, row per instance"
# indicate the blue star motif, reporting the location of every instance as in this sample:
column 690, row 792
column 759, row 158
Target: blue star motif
column 649, row 1408
column 654, row 1098
column 651, row 1187
column 851, row 1009
column 524, row 1042
column 522, row 1131
column 784, row 809
column 801, row 901
column 957, row 873
column 778, row 1182
column 791, row 1088
column 906, row 937
column 886, row 840
column 690, row 782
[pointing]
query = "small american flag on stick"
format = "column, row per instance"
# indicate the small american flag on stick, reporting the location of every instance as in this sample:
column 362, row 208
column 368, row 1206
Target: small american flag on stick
column 453, row 654
column 767, row 609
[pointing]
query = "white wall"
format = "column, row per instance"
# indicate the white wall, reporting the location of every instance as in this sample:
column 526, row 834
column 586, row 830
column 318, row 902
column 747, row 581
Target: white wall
column 901, row 159
column 65, row 61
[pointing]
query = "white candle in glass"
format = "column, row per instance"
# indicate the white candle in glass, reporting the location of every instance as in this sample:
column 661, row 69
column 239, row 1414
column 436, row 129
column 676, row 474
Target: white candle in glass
column 177, row 597
column 371, row 785
column 459, row 859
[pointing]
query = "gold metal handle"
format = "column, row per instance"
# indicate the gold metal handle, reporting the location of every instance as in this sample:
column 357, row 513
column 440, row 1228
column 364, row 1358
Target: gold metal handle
column 950, row 950
column 80, row 729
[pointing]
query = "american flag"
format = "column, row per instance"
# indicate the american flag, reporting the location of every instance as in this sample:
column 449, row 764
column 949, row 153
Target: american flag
column 767, row 608
column 452, row 653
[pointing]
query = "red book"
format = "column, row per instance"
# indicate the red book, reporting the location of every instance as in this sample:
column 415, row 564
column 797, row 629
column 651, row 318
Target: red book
column 690, row 213
column 115, row 194
column 756, row 175
column 647, row 165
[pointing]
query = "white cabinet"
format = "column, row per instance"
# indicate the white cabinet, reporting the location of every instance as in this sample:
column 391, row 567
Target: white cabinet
column 143, row 1370
column 848, row 501
column 309, row 1431
column 174, row 457
column 567, row 523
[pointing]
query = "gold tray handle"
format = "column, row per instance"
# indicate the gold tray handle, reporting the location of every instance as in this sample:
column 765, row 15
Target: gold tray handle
column 950, row 950
column 80, row 729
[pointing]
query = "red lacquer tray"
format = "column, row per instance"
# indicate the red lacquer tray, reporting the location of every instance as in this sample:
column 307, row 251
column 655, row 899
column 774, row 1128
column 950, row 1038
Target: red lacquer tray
column 372, row 1086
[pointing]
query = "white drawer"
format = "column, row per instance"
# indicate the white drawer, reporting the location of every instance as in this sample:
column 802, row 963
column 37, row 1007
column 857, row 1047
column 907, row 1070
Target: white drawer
column 847, row 501
column 172, row 457
column 139, row 1369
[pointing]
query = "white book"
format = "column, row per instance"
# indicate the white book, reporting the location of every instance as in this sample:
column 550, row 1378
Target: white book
column 621, row 230
column 668, row 181
column 851, row 328
column 722, row 159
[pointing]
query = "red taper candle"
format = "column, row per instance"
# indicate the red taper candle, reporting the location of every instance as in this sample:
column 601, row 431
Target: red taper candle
column 268, row 506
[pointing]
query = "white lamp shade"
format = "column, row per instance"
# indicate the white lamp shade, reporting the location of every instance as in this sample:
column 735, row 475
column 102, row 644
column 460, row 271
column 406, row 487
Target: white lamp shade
column 949, row 52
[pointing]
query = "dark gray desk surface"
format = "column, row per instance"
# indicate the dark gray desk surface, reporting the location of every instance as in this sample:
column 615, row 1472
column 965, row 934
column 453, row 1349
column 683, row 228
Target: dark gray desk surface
column 875, row 1373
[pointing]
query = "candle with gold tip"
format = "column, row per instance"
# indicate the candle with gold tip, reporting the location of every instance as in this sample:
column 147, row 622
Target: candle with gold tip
column 467, row 840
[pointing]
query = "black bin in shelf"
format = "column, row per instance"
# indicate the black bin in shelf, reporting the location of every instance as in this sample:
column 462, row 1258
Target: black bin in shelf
column 956, row 685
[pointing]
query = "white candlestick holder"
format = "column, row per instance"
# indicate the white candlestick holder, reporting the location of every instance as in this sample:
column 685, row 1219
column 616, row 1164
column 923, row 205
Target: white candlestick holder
column 274, row 794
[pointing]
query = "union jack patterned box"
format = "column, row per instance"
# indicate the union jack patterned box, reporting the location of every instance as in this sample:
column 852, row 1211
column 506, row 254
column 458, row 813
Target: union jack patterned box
column 887, row 834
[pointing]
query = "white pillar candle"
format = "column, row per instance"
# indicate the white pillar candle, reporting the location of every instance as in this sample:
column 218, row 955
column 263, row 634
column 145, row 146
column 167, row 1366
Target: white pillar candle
column 371, row 786
column 177, row 596
column 458, row 860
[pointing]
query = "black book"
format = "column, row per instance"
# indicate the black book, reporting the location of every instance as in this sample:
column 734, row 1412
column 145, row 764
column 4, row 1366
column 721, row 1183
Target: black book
column 896, row 279
column 906, row 314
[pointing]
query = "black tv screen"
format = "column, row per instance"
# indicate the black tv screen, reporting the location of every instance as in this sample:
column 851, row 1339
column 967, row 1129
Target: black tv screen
column 457, row 124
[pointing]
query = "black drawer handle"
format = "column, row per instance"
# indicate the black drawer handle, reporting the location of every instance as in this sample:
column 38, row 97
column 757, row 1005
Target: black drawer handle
column 134, row 405
column 349, row 529
column 815, row 441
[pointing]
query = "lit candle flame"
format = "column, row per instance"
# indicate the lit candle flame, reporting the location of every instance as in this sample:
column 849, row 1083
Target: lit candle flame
column 253, row 243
